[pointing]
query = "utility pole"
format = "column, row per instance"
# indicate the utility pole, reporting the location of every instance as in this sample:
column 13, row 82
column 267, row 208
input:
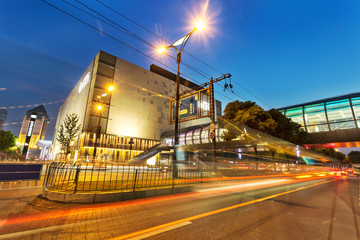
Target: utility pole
column 212, row 125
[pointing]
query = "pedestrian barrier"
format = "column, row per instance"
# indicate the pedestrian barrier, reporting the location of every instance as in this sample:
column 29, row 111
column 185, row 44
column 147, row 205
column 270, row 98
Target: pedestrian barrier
column 88, row 177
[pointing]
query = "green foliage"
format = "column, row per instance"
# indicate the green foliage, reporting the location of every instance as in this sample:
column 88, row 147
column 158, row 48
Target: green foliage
column 287, row 129
column 354, row 157
column 68, row 130
column 7, row 141
column 232, row 108
column 271, row 122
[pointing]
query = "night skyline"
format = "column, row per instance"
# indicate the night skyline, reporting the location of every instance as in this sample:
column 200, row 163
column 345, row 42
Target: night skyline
column 272, row 49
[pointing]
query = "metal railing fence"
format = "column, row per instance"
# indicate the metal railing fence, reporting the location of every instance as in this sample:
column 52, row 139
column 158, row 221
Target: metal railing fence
column 86, row 177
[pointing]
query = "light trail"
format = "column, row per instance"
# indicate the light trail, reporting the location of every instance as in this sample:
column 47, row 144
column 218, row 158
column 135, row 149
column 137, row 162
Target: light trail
column 235, row 187
column 189, row 219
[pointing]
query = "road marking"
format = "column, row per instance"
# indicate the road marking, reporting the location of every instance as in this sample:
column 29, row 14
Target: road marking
column 34, row 231
column 149, row 234
column 167, row 225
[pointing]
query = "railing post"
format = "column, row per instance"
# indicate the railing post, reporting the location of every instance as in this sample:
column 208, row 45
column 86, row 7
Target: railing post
column 76, row 177
column 136, row 171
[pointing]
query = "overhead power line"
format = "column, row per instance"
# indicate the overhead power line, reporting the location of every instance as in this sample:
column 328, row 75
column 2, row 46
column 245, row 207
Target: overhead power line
column 118, row 40
column 144, row 28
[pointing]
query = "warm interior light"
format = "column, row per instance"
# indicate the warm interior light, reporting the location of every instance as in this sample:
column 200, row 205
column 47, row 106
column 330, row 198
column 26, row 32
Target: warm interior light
column 99, row 107
column 161, row 50
column 199, row 26
column 98, row 97
column 111, row 88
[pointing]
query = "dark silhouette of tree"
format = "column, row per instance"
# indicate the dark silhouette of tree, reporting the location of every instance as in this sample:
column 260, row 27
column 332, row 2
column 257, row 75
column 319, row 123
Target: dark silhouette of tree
column 354, row 157
column 287, row 129
column 333, row 153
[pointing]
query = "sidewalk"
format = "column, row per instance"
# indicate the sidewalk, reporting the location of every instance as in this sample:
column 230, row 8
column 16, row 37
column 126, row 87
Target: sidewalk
column 14, row 201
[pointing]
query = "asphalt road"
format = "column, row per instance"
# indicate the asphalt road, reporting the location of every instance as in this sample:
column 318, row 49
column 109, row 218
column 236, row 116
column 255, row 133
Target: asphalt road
column 287, row 208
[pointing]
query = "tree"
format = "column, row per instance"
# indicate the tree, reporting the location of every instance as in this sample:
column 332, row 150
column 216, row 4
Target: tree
column 271, row 122
column 68, row 130
column 251, row 115
column 354, row 157
column 7, row 141
column 287, row 129
column 333, row 153
column 233, row 107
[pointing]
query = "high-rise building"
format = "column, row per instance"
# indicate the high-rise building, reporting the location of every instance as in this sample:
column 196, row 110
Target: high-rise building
column 33, row 129
column 3, row 114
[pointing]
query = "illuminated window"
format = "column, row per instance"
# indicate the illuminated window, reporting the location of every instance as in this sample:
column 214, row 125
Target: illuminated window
column 340, row 115
column 205, row 135
column 182, row 138
column 189, row 138
column 356, row 106
column 295, row 114
column 315, row 118
column 196, row 137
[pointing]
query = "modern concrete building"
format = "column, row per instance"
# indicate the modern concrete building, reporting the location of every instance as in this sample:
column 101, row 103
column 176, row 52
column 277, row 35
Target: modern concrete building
column 133, row 116
column 33, row 129
column 331, row 122
column 3, row 114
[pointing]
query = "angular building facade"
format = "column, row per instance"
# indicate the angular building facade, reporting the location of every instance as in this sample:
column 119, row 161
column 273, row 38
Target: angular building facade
column 132, row 117
column 33, row 129
column 330, row 122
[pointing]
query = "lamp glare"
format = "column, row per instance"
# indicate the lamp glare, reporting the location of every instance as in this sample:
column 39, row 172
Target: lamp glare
column 161, row 50
column 199, row 26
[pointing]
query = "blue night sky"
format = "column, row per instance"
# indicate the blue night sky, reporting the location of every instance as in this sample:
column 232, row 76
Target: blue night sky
column 281, row 52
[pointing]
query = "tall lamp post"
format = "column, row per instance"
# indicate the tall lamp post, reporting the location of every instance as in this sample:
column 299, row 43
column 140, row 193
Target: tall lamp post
column 100, row 109
column 179, row 46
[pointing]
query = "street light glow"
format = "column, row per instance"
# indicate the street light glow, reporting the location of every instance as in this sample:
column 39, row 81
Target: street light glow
column 199, row 25
column 99, row 107
column 161, row 49
column 111, row 88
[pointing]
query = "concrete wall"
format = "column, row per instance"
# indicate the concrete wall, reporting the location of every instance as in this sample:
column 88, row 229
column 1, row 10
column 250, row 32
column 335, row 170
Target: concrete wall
column 140, row 104
column 75, row 102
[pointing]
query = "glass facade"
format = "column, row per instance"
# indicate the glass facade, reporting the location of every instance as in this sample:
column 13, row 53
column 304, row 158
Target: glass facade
column 327, row 116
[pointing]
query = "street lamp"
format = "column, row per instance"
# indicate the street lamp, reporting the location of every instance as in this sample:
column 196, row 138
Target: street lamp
column 179, row 46
column 100, row 109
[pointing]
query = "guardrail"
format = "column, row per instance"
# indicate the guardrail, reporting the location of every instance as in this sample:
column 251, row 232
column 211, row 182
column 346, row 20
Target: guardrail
column 86, row 177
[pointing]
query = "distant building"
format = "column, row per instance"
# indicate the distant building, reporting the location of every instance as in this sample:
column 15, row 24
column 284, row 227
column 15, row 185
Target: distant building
column 133, row 117
column 332, row 122
column 33, row 129
column 3, row 114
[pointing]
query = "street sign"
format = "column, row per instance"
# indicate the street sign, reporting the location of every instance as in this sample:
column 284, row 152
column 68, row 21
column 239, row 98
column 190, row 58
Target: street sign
column 192, row 106
column 212, row 135
column 212, row 127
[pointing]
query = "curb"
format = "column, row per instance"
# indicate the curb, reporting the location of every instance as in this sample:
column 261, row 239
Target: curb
column 106, row 197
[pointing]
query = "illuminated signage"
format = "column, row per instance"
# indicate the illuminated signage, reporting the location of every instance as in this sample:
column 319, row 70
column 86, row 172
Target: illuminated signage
column 31, row 127
column 192, row 106
column 84, row 82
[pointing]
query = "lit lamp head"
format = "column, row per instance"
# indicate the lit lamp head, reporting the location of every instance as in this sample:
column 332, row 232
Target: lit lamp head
column 161, row 49
column 99, row 107
column 111, row 88
column 199, row 26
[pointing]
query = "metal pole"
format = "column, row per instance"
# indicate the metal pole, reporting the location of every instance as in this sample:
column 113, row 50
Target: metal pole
column 98, row 129
column 176, row 142
column 212, row 116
